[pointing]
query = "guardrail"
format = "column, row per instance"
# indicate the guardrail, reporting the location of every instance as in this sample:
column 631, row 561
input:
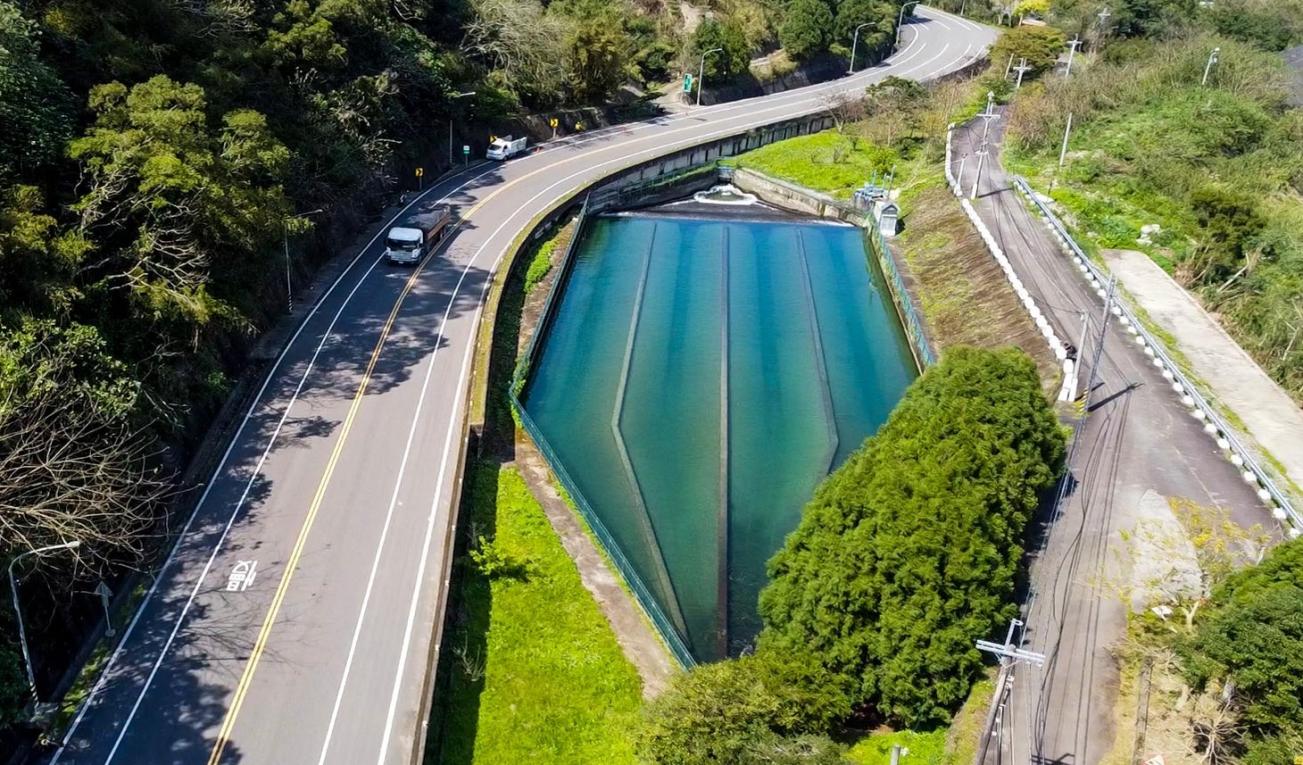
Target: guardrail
column 1282, row 508
column 1067, row 391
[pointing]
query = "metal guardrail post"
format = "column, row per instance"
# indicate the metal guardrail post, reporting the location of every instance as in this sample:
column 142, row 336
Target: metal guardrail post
column 1240, row 456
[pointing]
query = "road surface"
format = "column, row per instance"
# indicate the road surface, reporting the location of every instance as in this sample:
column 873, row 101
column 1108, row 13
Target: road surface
column 1139, row 447
column 292, row 622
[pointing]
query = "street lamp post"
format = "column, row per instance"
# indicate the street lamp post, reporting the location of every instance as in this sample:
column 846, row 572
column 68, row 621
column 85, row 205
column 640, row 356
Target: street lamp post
column 454, row 96
column 18, row 611
column 1208, row 68
column 855, row 41
column 701, row 71
column 901, row 18
column 285, row 239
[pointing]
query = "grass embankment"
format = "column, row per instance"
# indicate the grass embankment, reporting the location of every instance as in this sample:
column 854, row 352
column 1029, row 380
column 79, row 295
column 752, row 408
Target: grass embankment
column 531, row 671
column 960, row 289
column 830, row 162
column 956, row 745
column 1217, row 167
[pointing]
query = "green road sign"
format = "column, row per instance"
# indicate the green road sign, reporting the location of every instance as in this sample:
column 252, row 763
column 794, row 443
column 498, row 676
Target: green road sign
column 465, row 148
column 687, row 83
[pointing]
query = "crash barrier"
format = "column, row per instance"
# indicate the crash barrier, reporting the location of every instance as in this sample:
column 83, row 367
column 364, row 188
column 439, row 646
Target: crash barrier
column 1282, row 509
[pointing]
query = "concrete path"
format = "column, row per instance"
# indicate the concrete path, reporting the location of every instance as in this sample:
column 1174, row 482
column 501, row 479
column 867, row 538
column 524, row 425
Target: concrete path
column 1233, row 377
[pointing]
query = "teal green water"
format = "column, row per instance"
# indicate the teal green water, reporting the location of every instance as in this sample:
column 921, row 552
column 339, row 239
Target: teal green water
column 700, row 377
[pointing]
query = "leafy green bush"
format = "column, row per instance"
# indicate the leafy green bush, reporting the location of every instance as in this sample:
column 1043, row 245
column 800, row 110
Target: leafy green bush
column 540, row 266
column 734, row 54
column 1251, row 634
column 1041, row 47
column 908, row 553
column 807, row 29
column 732, row 711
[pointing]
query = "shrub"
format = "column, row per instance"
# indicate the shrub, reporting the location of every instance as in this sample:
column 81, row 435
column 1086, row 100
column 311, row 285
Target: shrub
column 807, row 29
column 1251, row 634
column 908, row 553
column 540, row 266
column 1039, row 45
column 735, row 55
column 749, row 709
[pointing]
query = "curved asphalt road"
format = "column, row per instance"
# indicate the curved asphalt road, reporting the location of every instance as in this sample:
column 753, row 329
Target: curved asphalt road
column 339, row 483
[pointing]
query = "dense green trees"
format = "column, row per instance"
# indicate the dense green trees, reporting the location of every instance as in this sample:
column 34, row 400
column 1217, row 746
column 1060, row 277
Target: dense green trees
column 1251, row 636
column 905, row 556
column 1040, row 46
column 808, row 29
column 744, row 709
column 733, row 56
column 908, row 553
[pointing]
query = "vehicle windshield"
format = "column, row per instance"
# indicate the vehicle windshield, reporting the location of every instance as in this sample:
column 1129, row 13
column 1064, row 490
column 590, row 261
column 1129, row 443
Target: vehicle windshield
column 400, row 244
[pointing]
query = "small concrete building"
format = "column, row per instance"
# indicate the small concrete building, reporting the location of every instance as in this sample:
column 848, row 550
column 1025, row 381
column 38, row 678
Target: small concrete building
column 888, row 216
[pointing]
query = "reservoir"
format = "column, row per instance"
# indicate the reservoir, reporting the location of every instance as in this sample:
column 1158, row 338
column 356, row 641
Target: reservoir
column 700, row 375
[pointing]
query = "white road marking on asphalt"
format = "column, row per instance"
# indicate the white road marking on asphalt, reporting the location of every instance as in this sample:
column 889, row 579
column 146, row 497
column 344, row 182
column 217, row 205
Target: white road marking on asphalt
column 798, row 98
column 393, row 702
column 242, row 576
column 99, row 684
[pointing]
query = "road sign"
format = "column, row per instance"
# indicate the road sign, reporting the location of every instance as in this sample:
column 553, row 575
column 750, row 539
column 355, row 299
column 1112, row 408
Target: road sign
column 420, row 171
column 465, row 148
column 553, row 122
column 687, row 83
column 105, row 593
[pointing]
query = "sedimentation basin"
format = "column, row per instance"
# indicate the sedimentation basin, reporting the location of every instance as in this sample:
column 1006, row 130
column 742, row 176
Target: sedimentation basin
column 702, row 372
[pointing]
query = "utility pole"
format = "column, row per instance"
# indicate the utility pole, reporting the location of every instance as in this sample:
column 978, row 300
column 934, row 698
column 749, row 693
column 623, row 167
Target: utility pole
column 1103, row 25
column 1212, row 59
column 701, row 71
column 1021, row 69
column 959, row 179
column 988, row 115
column 897, row 751
column 900, row 20
column 454, row 96
column 1099, row 349
column 1008, row 65
column 18, row 611
column 1063, row 151
column 285, row 239
column 1072, row 51
column 981, row 160
column 1076, row 362
column 855, row 41
column 1009, row 656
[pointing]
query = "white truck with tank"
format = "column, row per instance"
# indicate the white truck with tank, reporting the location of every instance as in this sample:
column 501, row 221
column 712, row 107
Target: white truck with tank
column 502, row 148
column 417, row 233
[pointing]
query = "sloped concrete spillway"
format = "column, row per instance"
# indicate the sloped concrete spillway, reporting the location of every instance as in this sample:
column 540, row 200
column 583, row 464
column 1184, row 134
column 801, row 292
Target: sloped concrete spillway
column 706, row 367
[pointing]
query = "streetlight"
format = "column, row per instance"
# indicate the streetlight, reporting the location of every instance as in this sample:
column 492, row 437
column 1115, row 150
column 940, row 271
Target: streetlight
column 18, row 611
column 854, row 42
column 285, row 239
column 1212, row 59
column 901, row 18
column 454, row 96
column 701, row 71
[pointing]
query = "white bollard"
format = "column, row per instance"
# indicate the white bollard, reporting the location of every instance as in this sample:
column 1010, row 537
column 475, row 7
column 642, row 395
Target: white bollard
column 1237, row 460
column 1249, row 476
